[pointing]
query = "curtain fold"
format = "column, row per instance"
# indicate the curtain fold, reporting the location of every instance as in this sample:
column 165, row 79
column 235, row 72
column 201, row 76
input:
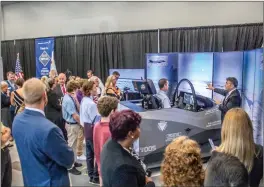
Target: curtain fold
column 101, row 52
column 65, row 54
column 8, row 53
column 242, row 37
column 212, row 39
column 26, row 50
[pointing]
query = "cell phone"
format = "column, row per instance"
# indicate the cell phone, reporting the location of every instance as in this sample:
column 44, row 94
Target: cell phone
column 211, row 144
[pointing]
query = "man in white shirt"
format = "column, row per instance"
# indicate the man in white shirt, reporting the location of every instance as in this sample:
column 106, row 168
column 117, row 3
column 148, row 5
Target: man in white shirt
column 164, row 87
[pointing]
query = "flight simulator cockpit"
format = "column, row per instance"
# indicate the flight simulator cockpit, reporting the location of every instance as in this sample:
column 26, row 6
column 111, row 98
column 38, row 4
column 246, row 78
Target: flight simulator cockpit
column 191, row 115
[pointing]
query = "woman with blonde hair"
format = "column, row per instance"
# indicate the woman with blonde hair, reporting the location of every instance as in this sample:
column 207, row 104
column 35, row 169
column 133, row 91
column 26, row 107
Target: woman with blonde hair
column 111, row 89
column 237, row 140
column 182, row 164
column 44, row 79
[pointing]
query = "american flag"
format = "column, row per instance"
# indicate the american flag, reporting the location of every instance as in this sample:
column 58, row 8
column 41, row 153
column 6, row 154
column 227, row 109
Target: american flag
column 18, row 70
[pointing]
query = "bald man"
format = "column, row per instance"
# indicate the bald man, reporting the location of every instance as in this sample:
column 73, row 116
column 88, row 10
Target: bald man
column 44, row 154
column 60, row 89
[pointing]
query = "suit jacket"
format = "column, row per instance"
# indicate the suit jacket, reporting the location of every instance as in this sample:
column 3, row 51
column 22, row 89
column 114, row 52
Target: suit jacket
column 233, row 100
column 120, row 169
column 58, row 91
column 44, row 154
column 5, row 101
column 53, row 108
column 11, row 89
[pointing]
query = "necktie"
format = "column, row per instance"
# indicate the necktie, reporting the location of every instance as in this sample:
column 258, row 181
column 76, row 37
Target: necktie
column 95, row 99
column 63, row 90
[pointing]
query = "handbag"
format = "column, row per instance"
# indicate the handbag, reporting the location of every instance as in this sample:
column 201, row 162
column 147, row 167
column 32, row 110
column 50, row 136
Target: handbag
column 88, row 130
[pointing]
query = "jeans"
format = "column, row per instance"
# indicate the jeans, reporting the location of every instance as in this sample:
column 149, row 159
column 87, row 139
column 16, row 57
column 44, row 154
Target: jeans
column 91, row 165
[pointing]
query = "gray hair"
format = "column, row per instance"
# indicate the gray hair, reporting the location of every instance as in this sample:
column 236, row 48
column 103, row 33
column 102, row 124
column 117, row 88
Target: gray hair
column 4, row 83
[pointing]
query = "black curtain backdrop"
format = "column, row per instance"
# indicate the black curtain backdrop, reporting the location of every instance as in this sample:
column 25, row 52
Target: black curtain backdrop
column 212, row 38
column 103, row 51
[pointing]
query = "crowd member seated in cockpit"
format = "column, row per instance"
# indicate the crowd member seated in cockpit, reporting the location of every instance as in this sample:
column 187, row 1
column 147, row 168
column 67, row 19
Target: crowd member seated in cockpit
column 162, row 95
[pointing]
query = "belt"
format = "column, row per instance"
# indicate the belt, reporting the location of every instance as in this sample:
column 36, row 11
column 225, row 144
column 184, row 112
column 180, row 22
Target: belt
column 71, row 123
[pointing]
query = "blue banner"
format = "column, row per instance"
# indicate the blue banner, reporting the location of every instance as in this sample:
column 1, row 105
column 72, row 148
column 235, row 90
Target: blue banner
column 43, row 50
column 163, row 66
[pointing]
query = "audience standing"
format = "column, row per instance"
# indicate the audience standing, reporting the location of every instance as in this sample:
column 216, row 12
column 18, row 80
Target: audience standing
column 225, row 170
column 80, row 92
column 237, row 140
column 11, row 87
column 111, row 89
column 53, row 109
column 91, row 74
column 5, row 105
column 60, row 89
column 70, row 113
column 119, row 167
column 43, row 162
column 88, row 117
column 100, row 90
column 106, row 106
column 17, row 98
column 182, row 164
column 6, row 165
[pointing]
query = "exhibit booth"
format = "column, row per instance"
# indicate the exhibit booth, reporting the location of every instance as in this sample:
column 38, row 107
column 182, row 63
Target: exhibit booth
column 196, row 116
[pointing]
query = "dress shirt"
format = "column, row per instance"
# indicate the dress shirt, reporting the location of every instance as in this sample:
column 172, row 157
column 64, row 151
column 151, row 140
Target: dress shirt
column 164, row 99
column 35, row 109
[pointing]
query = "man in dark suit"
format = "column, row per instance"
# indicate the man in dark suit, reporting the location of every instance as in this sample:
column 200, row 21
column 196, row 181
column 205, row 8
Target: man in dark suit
column 232, row 96
column 11, row 87
column 60, row 89
column 42, row 149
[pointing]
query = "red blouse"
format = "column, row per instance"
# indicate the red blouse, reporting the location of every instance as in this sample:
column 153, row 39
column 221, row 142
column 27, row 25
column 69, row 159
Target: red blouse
column 101, row 134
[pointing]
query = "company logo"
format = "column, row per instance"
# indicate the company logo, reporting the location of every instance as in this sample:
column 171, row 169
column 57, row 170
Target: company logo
column 162, row 125
column 158, row 61
column 143, row 87
column 148, row 149
column 171, row 137
column 44, row 58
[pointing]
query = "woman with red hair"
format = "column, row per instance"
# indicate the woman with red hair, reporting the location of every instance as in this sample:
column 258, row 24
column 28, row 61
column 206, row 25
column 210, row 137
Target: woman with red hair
column 119, row 167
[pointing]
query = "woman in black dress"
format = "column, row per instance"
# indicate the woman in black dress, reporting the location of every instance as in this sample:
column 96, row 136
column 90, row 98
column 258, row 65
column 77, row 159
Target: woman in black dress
column 53, row 108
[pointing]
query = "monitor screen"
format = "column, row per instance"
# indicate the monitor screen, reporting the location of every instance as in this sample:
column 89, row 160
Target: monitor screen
column 141, row 86
column 188, row 99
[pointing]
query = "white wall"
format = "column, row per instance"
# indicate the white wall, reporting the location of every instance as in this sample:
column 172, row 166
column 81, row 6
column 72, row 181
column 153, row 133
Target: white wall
column 41, row 19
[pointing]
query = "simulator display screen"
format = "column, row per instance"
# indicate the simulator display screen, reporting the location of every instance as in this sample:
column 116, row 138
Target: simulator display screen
column 188, row 99
column 249, row 81
column 127, row 76
column 198, row 68
column 163, row 66
column 227, row 64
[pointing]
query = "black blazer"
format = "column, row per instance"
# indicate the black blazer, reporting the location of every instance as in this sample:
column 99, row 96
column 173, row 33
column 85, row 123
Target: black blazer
column 120, row 169
column 233, row 100
column 58, row 91
column 256, row 173
column 53, row 108
column 53, row 112
column 5, row 101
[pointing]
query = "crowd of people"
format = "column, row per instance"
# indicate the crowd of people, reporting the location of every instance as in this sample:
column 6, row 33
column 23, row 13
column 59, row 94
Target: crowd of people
column 51, row 118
